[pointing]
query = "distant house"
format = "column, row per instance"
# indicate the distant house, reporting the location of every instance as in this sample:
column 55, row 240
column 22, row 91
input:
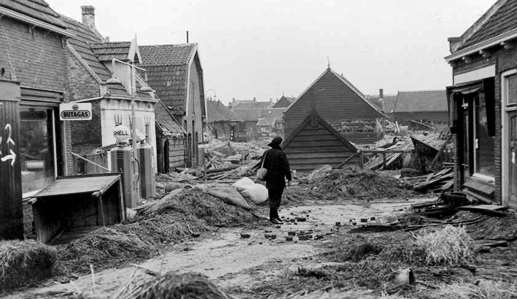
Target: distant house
column 223, row 124
column 271, row 123
column 483, row 106
column 315, row 143
column 283, row 102
column 175, row 72
column 422, row 106
column 339, row 103
column 250, row 112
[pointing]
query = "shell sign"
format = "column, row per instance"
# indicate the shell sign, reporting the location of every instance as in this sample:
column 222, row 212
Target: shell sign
column 75, row 111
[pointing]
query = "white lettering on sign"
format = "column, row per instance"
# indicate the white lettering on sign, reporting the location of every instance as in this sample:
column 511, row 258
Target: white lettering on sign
column 75, row 111
column 11, row 156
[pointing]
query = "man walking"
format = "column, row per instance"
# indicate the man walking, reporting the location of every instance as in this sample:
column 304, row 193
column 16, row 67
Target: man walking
column 275, row 161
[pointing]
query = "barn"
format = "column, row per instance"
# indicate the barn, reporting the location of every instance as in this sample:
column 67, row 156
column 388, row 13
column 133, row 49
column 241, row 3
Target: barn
column 340, row 104
column 315, row 143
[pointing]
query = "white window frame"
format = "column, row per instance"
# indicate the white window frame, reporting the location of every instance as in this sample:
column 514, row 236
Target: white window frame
column 505, row 108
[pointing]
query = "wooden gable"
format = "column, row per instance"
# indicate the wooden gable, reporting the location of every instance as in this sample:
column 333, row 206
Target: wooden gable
column 315, row 143
column 334, row 98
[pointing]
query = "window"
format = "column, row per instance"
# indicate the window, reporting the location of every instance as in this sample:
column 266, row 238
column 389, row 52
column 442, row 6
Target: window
column 512, row 90
column 36, row 148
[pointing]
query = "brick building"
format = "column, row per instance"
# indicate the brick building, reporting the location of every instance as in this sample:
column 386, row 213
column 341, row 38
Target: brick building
column 340, row 104
column 175, row 72
column 483, row 105
column 33, row 84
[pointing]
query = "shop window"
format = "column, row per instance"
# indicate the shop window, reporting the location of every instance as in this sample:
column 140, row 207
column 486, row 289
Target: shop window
column 36, row 148
column 483, row 143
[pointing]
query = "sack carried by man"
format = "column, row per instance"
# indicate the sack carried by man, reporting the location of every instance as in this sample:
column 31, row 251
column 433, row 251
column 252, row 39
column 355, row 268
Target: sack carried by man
column 262, row 172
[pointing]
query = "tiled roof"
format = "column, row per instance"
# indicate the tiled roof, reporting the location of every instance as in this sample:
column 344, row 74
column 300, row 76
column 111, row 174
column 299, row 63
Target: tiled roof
column 284, row 102
column 167, row 54
column 166, row 120
column 420, row 101
column 500, row 21
column 82, row 42
column 217, row 111
column 37, row 9
column 106, row 51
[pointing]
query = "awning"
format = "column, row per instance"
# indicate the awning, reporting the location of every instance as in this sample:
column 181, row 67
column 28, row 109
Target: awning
column 79, row 185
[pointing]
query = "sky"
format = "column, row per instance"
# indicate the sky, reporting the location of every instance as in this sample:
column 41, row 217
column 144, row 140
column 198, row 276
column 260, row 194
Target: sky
column 267, row 48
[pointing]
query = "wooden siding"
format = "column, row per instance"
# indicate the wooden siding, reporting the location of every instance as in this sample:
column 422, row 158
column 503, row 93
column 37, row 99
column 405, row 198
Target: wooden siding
column 333, row 100
column 315, row 143
column 176, row 153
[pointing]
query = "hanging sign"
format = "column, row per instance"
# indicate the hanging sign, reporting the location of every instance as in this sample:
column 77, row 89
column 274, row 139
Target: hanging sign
column 75, row 111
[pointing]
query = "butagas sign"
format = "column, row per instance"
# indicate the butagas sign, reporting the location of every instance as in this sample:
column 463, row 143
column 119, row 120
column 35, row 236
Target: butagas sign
column 75, row 111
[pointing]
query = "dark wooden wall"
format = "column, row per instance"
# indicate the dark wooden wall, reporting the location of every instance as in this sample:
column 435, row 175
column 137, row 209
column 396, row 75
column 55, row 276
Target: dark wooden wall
column 315, row 146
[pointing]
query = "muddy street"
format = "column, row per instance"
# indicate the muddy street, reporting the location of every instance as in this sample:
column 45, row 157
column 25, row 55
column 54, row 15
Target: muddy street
column 227, row 257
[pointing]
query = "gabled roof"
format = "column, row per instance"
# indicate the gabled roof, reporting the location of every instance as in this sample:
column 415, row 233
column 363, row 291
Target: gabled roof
column 284, row 102
column 217, row 111
column 312, row 118
column 106, row 51
column 81, row 46
column 343, row 80
column 167, row 54
column 82, row 41
column 501, row 17
column 37, row 9
column 496, row 27
column 420, row 101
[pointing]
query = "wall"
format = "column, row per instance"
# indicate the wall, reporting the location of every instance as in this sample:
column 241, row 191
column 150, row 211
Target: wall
column 195, row 101
column 36, row 57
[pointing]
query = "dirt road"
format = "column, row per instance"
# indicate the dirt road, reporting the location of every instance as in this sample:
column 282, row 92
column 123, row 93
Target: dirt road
column 225, row 256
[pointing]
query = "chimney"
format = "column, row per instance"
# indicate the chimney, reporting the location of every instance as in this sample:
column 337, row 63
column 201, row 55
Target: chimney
column 88, row 16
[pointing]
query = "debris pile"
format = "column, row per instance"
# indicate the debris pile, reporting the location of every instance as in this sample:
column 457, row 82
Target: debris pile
column 187, row 214
column 358, row 184
column 23, row 262
column 176, row 286
column 436, row 182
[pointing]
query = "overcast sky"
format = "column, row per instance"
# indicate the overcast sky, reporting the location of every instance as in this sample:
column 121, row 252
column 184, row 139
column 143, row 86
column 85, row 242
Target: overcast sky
column 263, row 48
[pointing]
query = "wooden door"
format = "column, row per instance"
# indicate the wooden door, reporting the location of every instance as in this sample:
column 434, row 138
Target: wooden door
column 512, row 151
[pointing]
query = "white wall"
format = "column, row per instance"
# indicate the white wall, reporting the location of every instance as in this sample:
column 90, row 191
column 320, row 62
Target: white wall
column 113, row 109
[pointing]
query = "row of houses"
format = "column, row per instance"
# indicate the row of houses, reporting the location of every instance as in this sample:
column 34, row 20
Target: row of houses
column 48, row 59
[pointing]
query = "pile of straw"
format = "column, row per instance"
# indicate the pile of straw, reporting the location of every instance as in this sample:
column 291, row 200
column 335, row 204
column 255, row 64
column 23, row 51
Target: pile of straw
column 177, row 286
column 449, row 246
column 23, row 262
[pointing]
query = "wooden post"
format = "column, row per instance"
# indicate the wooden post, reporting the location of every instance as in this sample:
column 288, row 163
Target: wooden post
column 11, row 211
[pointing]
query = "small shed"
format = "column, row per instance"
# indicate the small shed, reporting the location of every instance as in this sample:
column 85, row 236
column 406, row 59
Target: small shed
column 72, row 205
column 315, row 143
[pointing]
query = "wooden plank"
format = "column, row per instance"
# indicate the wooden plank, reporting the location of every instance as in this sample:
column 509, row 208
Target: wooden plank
column 311, row 132
column 320, row 161
column 315, row 143
column 331, row 149
column 318, row 137
column 309, row 155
